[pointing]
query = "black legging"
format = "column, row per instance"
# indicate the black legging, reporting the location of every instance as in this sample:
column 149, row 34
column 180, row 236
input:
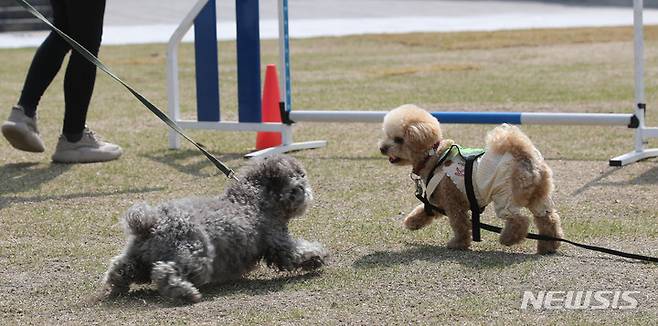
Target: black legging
column 83, row 21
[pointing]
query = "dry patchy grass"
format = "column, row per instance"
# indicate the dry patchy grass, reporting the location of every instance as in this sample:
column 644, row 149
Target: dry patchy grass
column 60, row 221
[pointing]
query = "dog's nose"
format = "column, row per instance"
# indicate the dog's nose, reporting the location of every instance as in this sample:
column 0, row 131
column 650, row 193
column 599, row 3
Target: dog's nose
column 298, row 191
column 384, row 149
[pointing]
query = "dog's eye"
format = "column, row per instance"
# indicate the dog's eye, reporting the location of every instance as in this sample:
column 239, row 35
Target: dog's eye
column 398, row 140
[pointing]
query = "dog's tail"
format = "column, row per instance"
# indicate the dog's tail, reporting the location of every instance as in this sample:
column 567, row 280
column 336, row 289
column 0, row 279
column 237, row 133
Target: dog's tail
column 510, row 139
column 140, row 219
column 531, row 169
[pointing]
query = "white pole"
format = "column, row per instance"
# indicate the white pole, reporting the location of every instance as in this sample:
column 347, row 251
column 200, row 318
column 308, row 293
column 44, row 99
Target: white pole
column 173, row 97
column 591, row 119
column 173, row 93
column 640, row 102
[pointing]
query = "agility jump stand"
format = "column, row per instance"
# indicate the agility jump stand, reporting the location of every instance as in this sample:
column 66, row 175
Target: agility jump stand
column 249, row 71
column 636, row 120
column 203, row 17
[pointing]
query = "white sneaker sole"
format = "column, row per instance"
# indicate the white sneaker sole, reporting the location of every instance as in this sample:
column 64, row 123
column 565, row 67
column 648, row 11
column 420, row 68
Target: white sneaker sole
column 85, row 156
column 20, row 137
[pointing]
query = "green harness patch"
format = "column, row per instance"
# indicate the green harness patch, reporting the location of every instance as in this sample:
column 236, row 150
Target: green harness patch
column 468, row 153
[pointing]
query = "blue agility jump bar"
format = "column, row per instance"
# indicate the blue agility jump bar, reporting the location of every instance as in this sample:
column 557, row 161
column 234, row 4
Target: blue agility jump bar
column 539, row 118
column 206, row 63
column 479, row 117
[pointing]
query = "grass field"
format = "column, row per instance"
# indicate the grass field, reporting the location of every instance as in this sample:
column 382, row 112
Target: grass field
column 59, row 222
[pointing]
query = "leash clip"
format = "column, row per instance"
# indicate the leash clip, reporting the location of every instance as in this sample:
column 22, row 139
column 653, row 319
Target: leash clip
column 414, row 177
column 420, row 186
column 234, row 176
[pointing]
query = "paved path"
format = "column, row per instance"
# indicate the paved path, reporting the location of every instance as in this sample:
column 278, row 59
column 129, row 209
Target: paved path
column 152, row 21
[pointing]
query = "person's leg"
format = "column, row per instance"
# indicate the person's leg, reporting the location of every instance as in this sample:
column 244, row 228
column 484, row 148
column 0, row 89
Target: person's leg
column 20, row 129
column 46, row 62
column 85, row 20
column 77, row 143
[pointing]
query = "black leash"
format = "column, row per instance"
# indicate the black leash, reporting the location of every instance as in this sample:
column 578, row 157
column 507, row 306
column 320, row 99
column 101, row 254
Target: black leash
column 154, row 109
column 542, row 237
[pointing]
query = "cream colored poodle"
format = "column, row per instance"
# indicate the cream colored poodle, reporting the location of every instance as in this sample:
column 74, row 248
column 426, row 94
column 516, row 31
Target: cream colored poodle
column 512, row 175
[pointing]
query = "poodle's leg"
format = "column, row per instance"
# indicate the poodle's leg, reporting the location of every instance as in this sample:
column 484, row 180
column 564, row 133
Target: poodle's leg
column 289, row 254
column 310, row 255
column 195, row 259
column 515, row 229
column 122, row 272
column 192, row 267
column 172, row 284
column 516, row 225
column 418, row 219
column 548, row 223
column 461, row 229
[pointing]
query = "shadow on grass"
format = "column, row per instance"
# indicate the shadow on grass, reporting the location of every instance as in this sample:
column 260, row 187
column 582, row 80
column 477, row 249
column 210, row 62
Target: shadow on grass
column 649, row 177
column 252, row 287
column 257, row 286
column 6, row 201
column 349, row 158
column 180, row 160
column 21, row 177
column 436, row 254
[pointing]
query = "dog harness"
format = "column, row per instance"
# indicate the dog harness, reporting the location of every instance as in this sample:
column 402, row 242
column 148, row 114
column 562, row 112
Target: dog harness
column 457, row 164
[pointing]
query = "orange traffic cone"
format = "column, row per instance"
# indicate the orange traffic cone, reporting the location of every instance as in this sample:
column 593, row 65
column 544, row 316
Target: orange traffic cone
column 270, row 110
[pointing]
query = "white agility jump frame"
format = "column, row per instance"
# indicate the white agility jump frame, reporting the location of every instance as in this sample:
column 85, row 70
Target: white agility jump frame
column 174, row 95
column 634, row 120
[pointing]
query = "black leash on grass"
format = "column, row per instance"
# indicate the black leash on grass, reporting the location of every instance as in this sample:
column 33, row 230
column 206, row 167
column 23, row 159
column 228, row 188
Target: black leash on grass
column 542, row 237
column 476, row 210
column 228, row 172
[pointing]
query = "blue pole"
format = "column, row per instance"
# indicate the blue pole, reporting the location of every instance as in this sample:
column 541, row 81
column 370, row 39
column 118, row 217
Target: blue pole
column 479, row 117
column 206, row 62
column 248, row 50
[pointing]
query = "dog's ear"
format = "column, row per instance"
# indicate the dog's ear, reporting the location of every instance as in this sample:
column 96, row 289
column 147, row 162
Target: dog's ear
column 423, row 133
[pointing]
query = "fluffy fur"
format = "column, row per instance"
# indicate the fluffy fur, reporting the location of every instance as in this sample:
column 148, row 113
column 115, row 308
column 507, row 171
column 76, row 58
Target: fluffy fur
column 183, row 244
column 410, row 132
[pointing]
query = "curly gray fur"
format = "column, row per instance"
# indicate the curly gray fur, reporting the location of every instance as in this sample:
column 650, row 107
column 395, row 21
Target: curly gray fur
column 182, row 244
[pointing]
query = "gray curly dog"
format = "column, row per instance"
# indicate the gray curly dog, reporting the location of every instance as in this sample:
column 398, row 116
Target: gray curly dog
column 186, row 243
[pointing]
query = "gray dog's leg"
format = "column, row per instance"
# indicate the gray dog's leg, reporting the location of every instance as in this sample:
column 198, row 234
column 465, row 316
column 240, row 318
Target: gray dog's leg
column 172, row 284
column 123, row 271
column 289, row 254
column 192, row 266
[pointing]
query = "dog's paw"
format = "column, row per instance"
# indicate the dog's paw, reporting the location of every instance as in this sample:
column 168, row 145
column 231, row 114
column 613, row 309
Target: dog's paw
column 458, row 244
column 509, row 238
column 514, row 231
column 193, row 296
column 547, row 247
column 414, row 223
column 113, row 290
column 312, row 263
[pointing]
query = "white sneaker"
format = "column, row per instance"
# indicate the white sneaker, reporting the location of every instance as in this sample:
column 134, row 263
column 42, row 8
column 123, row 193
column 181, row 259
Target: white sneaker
column 88, row 149
column 21, row 131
